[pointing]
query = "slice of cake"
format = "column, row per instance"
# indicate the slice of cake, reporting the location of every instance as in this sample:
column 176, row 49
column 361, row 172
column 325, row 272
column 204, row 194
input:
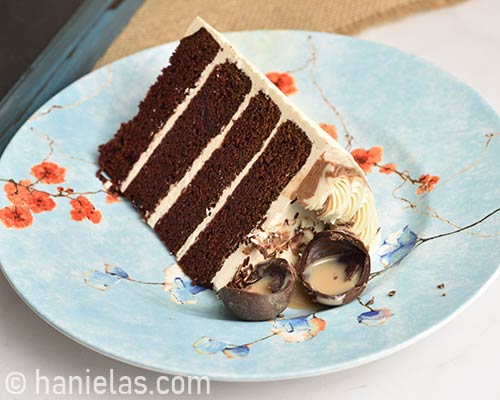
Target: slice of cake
column 227, row 171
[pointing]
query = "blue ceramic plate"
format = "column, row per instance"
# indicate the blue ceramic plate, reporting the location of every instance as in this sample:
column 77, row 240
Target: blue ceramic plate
column 85, row 262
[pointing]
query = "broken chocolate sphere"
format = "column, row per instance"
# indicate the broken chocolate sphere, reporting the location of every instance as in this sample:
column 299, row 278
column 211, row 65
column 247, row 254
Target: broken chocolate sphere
column 260, row 292
column 335, row 267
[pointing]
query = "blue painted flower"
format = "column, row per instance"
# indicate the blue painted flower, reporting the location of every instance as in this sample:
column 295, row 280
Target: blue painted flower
column 291, row 330
column 298, row 329
column 116, row 271
column 237, row 351
column 184, row 284
column 209, row 346
column 195, row 289
column 100, row 280
column 397, row 246
column 206, row 345
column 375, row 317
column 180, row 287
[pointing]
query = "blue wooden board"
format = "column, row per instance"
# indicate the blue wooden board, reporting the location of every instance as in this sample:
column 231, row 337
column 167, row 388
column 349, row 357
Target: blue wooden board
column 71, row 54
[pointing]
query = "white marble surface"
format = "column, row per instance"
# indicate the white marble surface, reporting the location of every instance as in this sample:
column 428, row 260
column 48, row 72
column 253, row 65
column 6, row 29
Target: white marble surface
column 460, row 361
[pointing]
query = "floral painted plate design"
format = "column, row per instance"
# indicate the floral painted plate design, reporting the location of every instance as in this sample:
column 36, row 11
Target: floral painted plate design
column 84, row 261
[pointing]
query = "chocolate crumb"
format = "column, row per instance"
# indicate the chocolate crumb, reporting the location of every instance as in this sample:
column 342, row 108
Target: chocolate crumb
column 296, row 215
column 391, row 293
column 441, row 286
column 443, row 294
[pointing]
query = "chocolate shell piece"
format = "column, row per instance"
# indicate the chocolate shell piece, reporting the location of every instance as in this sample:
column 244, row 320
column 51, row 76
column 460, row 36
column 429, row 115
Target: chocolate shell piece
column 260, row 292
column 348, row 250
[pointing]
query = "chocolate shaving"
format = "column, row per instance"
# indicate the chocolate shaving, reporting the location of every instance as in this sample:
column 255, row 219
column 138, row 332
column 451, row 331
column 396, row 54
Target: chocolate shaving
column 352, row 263
column 242, row 275
column 370, row 302
column 339, row 224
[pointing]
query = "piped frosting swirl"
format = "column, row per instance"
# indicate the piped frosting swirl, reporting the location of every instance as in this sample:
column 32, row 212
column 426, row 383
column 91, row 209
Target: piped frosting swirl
column 338, row 194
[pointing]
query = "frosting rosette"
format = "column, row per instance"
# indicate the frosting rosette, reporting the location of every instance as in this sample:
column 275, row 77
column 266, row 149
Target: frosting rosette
column 340, row 195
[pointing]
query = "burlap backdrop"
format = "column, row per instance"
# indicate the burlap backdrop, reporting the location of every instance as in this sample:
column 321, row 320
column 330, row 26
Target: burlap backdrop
column 161, row 21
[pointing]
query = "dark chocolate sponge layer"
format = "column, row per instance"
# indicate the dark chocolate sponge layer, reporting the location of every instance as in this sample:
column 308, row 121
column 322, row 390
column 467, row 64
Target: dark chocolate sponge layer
column 188, row 61
column 243, row 140
column 281, row 160
column 208, row 112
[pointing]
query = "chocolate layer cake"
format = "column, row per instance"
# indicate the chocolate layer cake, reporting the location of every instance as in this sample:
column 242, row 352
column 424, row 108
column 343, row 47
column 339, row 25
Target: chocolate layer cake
column 226, row 170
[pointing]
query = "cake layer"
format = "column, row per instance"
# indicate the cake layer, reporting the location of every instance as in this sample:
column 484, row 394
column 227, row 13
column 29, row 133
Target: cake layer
column 215, row 170
column 242, row 141
column 192, row 56
column 285, row 154
column 208, row 112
